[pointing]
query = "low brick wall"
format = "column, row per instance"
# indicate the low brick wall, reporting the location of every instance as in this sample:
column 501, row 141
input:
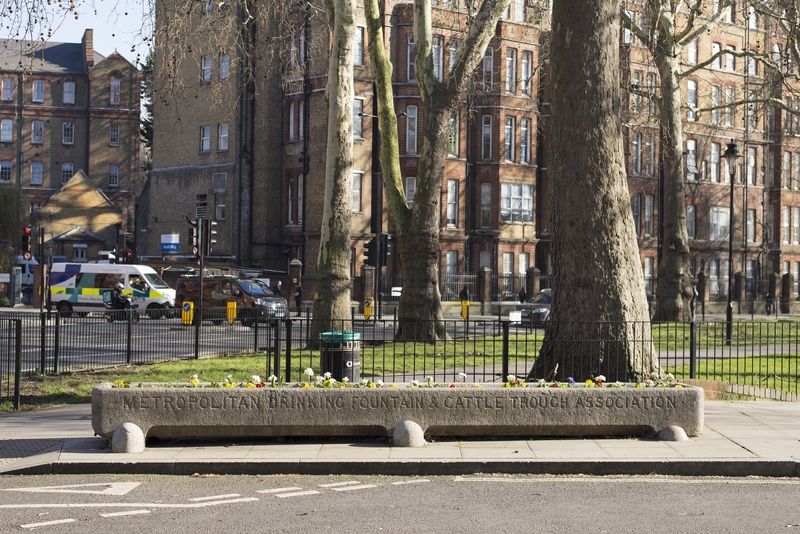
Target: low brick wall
column 458, row 412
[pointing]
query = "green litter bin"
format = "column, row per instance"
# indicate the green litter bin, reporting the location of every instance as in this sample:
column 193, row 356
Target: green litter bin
column 339, row 355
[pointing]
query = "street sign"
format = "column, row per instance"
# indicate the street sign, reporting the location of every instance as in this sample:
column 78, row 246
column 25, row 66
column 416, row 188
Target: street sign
column 170, row 242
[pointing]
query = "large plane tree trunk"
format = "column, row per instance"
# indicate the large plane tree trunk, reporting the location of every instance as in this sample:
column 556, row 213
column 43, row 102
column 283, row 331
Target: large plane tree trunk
column 599, row 321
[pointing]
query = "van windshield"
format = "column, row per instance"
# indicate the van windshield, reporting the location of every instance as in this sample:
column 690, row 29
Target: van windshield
column 155, row 281
column 255, row 289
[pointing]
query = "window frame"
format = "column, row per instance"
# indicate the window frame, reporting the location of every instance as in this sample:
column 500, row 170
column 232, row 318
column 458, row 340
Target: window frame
column 486, row 137
column 67, row 133
column 6, row 130
column 205, row 69
column 113, row 133
column 516, row 202
column 6, row 171
column 66, row 175
column 451, row 209
column 411, row 129
column 222, row 136
column 115, row 91
column 37, row 132
column 510, row 81
column 205, row 139
column 113, row 175
column 37, row 91
column 68, row 93
column 357, row 191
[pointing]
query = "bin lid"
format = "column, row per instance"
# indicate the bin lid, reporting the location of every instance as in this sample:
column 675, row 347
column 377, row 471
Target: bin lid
column 339, row 337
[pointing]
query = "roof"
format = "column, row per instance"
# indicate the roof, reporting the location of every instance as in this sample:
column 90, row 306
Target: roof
column 44, row 57
column 79, row 234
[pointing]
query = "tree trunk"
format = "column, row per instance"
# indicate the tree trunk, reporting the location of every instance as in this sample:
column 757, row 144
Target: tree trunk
column 599, row 322
column 332, row 298
column 674, row 285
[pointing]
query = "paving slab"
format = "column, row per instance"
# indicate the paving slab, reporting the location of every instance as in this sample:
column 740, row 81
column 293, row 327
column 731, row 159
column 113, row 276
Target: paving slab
column 740, row 438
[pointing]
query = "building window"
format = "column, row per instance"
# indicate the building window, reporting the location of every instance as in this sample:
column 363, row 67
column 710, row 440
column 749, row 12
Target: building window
column 301, row 120
column 67, row 133
column 484, row 259
column 691, row 100
column 358, row 178
column 649, row 263
column 35, row 207
column 358, row 50
column 649, row 155
column 486, row 205
column 527, row 66
column 796, row 172
column 411, row 189
column 224, row 66
column 752, row 66
column 37, row 132
column 453, row 131
column 452, row 202
column 452, row 54
column 715, row 162
column 690, row 220
column 438, row 56
column 648, row 215
column 716, row 50
column 636, row 211
column 219, row 181
column 36, row 173
column 222, row 138
column 720, row 223
column 691, row 52
column 219, row 206
column 787, row 223
column 796, row 225
column 516, row 202
column 751, row 165
column 488, row 67
column 205, row 138
column 5, row 171
column 636, row 154
column 508, row 139
column 6, row 130
column 752, row 120
column 525, row 141
column 113, row 136
column 38, row 91
column 115, row 96
column 751, row 225
column 205, row 69
column 69, row 93
column 787, row 170
column 300, row 196
column 410, row 58
column 292, row 112
column 730, row 59
column 716, row 99
column 411, row 130
column 67, row 171
column 486, row 136
column 79, row 253
column 752, row 17
column 7, row 89
column 636, row 89
column 113, row 175
column 691, row 159
column 450, row 266
column 290, row 210
column 511, row 70
column 358, row 119
column 730, row 110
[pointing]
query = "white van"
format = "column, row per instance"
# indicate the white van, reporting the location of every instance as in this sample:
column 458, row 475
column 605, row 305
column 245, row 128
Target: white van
column 27, row 268
column 79, row 287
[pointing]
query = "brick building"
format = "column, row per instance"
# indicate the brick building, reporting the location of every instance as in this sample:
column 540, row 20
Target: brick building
column 65, row 108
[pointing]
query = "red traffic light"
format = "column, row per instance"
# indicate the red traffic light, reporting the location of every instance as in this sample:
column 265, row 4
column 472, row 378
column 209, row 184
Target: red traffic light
column 26, row 230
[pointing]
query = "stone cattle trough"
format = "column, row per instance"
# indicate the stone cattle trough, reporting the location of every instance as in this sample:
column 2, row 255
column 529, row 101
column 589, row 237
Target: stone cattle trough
column 456, row 412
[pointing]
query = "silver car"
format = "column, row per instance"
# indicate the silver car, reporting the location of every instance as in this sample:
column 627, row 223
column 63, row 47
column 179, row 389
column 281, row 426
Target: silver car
column 536, row 311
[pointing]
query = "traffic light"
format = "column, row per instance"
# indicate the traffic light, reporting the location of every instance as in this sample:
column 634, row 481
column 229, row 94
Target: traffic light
column 371, row 251
column 194, row 238
column 385, row 248
column 128, row 257
column 209, row 234
column 26, row 240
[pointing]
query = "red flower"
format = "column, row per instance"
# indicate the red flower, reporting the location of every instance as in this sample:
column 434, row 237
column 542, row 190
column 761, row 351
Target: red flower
column 554, row 385
column 452, row 385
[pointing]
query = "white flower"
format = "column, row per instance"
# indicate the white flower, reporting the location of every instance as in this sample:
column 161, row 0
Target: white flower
column 670, row 376
column 255, row 379
column 309, row 372
column 415, row 382
column 654, row 375
column 345, row 380
column 599, row 378
column 429, row 380
column 511, row 378
column 327, row 376
column 272, row 379
column 194, row 377
column 379, row 383
column 318, row 379
column 541, row 382
column 364, row 381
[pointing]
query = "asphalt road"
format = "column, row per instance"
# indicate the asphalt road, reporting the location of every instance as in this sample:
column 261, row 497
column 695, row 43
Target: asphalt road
column 477, row 503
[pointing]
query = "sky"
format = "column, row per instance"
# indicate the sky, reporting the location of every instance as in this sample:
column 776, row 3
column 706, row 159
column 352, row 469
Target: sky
column 116, row 25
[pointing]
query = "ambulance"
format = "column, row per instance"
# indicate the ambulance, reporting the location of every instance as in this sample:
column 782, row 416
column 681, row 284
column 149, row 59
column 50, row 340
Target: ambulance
column 79, row 288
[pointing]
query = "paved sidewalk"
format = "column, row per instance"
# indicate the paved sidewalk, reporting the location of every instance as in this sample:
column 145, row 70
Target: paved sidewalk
column 758, row 438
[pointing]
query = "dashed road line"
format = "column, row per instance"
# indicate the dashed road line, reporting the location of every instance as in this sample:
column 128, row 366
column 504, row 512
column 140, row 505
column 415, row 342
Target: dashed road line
column 415, row 481
column 296, row 494
column 337, row 484
column 279, row 490
column 217, row 497
column 47, row 523
column 120, row 514
column 129, row 505
column 349, row 488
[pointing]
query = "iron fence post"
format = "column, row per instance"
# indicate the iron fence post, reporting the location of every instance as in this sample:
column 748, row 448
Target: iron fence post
column 288, row 350
column 693, row 338
column 57, row 342
column 129, row 341
column 506, row 325
column 276, row 362
column 42, row 341
column 17, row 361
column 198, row 318
column 255, row 335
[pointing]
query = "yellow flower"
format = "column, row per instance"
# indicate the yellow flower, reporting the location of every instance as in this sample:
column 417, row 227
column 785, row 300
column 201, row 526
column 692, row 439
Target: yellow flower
column 393, row 386
column 678, row 386
column 590, row 384
column 479, row 386
column 250, row 385
column 372, row 385
column 194, row 382
column 229, row 385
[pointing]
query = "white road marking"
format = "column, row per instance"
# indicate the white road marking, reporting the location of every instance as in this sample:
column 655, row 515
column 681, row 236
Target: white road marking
column 279, row 490
column 348, row 488
column 228, row 496
column 46, row 523
column 336, row 484
column 296, row 494
column 111, row 488
column 128, row 505
column 626, row 478
column 120, row 514
column 416, row 481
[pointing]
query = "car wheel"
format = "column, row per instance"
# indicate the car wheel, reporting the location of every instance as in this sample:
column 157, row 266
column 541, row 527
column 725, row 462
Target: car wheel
column 64, row 309
column 154, row 311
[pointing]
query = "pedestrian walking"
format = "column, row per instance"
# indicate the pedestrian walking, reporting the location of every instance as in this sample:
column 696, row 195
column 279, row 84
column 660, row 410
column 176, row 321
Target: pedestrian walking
column 298, row 297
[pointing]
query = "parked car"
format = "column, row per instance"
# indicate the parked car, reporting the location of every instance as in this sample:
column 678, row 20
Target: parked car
column 254, row 300
column 536, row 311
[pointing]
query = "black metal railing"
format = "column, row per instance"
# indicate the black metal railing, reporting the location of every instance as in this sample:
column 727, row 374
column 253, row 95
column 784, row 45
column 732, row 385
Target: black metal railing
column 762, row 353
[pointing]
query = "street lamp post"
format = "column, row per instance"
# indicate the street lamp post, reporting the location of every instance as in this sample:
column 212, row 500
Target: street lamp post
column 731, row 155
